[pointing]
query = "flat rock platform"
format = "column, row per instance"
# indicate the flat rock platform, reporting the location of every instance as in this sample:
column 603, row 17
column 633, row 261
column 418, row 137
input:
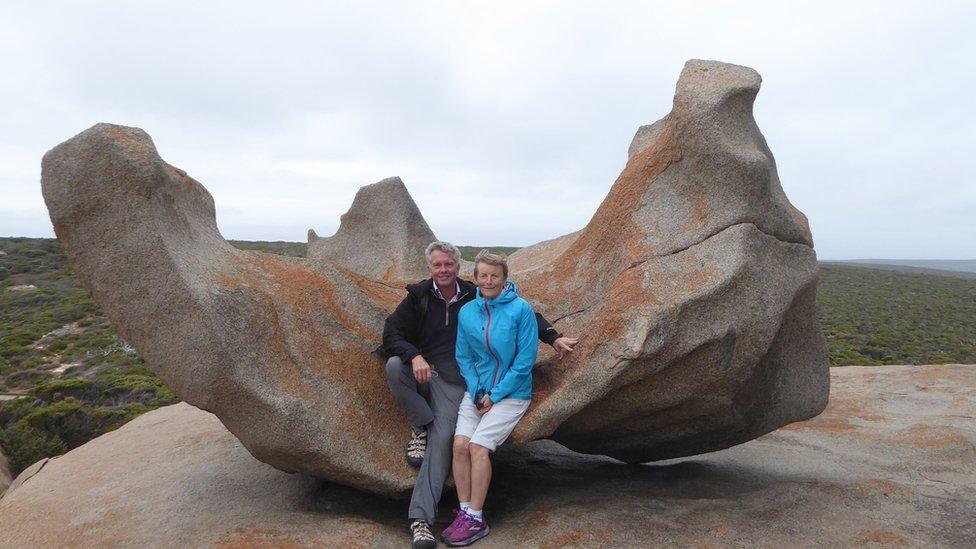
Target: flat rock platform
column 891, row 462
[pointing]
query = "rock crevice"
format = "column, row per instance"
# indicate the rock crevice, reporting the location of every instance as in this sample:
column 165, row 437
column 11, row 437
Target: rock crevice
column 725, row 228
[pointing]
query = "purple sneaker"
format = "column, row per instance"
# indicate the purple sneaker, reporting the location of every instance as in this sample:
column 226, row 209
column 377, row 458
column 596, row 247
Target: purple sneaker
column 450, row 531
column 465, row 530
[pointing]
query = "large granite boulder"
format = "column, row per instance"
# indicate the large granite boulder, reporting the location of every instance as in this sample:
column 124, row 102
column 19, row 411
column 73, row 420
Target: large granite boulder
column 692, row 288
column 277, row 349
column 379, row 237
column 891, row 462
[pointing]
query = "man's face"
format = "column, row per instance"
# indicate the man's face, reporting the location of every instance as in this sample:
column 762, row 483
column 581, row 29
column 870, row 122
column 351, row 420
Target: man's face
column 443, row 268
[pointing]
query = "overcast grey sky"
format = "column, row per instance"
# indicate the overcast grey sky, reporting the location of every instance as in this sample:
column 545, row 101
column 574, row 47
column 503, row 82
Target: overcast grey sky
column 524, row 108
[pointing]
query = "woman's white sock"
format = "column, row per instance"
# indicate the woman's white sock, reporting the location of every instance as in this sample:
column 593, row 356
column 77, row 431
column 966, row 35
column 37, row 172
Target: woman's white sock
column 475, row 514
column 465, row 506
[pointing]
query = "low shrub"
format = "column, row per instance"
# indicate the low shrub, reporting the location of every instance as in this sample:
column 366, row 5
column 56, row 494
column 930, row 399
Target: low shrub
column 59, row 415
column 25, row 446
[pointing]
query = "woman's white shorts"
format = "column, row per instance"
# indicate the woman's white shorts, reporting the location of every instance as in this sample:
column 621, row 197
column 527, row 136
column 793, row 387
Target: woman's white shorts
column 490, row 429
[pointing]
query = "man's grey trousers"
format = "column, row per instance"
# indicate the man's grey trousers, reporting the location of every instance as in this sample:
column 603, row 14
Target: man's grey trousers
column 434, row 405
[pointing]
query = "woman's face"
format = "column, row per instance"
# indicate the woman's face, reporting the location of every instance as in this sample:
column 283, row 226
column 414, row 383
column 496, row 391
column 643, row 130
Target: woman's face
column 490, row 279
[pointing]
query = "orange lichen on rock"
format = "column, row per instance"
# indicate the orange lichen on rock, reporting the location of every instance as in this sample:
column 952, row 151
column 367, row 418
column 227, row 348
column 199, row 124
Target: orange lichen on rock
column 937, row 436
column 309, row 290
column 612, row 241
column 884, row 538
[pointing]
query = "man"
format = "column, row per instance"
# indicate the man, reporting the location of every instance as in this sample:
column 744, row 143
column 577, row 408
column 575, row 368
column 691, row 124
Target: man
column 419, row 339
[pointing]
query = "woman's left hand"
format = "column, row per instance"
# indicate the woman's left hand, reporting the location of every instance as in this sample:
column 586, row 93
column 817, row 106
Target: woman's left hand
column 485, row 404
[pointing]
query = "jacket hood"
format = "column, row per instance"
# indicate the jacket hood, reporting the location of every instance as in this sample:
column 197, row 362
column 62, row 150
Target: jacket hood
column 509, row 294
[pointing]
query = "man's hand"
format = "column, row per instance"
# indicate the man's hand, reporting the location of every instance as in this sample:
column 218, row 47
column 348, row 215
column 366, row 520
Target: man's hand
column 564, row 345
column 421, row 370
column 484, row 405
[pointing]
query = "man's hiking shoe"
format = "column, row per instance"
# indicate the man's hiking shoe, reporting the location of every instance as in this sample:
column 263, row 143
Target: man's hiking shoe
column 465, row 530
column 422, row 537
column 417, row 447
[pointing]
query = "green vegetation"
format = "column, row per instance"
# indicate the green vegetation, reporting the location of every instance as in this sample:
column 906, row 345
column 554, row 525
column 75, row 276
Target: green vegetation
column 39, row 295
column 77, row 379
column 298, row 249
column 59, row 415
column 293, row 249
column 469, row 252
column 873, row 316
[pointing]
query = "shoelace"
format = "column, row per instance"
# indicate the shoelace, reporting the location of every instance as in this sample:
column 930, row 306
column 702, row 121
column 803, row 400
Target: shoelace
column 421, row 531
column 418, row 442
column 467, row 521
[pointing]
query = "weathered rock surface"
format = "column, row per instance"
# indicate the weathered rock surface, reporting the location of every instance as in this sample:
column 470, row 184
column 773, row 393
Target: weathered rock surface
column 644, row 138
column 5, row 478
column 379, row 237
column 278, row 349
column 540, row 254
column 891, row 462
column 692, row 288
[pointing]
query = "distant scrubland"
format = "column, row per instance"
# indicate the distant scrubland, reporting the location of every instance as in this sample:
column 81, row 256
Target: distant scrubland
column 875, row 316
column 76, row 378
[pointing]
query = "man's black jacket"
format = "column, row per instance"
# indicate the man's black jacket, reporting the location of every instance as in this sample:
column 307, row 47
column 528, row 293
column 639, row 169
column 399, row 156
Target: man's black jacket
column 420, row 325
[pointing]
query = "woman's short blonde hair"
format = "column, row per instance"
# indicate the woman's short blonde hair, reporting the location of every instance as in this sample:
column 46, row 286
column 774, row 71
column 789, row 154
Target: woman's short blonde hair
column 488, row 258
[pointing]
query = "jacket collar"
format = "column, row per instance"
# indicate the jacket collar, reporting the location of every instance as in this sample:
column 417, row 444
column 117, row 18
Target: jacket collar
column 508, row 294
column 419, row 288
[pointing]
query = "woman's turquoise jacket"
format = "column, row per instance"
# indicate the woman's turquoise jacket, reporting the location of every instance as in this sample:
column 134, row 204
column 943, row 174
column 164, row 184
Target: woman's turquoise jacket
column 497, row 342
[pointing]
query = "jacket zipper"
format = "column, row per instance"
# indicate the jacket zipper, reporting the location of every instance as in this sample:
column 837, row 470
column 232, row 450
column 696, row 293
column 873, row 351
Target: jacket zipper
column 447, row 308
column 498, row 364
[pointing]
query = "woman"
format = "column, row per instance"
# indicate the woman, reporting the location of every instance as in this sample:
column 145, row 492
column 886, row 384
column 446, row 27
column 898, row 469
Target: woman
column 496, row 348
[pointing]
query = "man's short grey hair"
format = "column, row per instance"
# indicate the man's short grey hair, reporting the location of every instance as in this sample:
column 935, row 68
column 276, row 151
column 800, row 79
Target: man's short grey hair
column 441, row 246
column 488, row 258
